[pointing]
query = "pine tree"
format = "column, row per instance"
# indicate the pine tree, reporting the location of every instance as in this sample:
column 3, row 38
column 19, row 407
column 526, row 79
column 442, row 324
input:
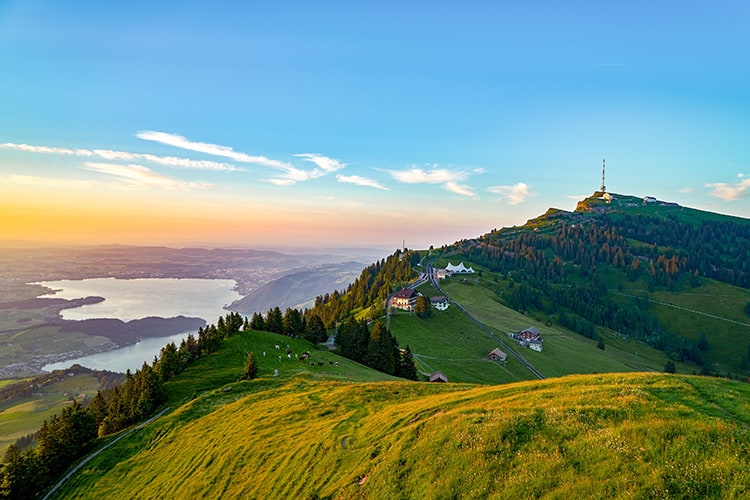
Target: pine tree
column 257, row 322
column 292, row 323
column 315, row 330
column 251, row 368
column 406, row 367
column 274, row 321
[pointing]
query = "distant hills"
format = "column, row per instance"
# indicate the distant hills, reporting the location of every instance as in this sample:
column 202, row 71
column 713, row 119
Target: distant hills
column 299, row 288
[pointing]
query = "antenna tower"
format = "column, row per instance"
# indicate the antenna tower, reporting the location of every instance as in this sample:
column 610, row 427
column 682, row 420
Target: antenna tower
column 604, row 189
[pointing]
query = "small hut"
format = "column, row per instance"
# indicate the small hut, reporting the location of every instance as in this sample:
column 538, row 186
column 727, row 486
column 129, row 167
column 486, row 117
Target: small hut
column 497, row 355
column 438, row 377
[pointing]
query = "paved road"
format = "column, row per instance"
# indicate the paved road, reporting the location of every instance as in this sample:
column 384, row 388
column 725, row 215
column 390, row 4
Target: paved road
column 434, row 282
column 94, row 454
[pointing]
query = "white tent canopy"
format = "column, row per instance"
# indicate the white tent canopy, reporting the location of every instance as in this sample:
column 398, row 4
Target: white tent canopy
column 458, row 269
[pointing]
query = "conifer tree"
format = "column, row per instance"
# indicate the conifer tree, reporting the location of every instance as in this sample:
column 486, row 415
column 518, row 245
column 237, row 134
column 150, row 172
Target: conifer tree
column 274, row 321
column 257, row 322
column 251, row 368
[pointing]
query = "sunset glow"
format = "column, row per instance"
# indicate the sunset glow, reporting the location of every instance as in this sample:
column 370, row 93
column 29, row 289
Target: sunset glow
column 294, row 124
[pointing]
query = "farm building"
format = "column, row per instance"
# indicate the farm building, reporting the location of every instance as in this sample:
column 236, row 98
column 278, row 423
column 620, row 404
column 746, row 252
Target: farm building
column 530, row 337
column 497, row 355
column 440, row 302
column 438, row 377
column 404, row 299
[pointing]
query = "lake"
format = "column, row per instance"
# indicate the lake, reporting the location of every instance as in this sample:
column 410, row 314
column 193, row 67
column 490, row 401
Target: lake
column 129, row 299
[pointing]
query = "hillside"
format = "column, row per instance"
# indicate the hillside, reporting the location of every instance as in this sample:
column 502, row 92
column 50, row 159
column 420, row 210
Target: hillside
column 574, row 437
column 627, row 268
column 298, row 288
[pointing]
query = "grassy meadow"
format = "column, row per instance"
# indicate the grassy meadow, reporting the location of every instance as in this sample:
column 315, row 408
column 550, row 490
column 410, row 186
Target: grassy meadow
column 565, row 352
column 583, row 436
column 24, row 415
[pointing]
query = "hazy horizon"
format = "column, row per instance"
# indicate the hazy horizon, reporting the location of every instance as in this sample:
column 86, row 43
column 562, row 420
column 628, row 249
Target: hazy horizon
column 347, row 125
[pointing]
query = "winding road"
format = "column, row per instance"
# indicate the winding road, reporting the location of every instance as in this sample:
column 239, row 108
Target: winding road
column 430, row 273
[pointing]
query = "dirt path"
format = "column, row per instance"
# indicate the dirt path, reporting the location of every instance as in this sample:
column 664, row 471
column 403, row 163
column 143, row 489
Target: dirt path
column 94, row 454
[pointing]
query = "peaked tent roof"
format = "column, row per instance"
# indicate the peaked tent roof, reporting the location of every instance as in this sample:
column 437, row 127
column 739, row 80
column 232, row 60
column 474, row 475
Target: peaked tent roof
column 459, row 268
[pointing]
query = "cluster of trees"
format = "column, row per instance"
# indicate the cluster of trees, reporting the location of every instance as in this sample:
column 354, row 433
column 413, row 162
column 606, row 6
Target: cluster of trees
column 557, row 270
column 376, row 348
column 371, row 289
column 66, row 437
column 293, row 323
column 61, row 440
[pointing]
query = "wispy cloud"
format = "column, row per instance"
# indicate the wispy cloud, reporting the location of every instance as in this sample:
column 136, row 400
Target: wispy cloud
column 416, row 175
column 729, row 192
column 461, row 189
column 181, row 142
column 360, row 181
column 685, row 190
column 138, row 176
column 290, row 174
column 168, row 161
column 326, row 165
column 514, row 194
column 448, row 178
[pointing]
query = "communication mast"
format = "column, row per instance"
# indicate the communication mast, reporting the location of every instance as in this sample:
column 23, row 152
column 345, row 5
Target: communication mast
column 604, row 189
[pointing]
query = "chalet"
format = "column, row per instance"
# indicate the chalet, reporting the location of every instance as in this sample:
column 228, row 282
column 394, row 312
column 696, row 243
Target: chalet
column 530, row 333
column 404, row 299
column 440, row 302
column 497, row 355
column 649, row 199
column 438, row 377
column 441, row 273
column 530, row 337
column 459, row 269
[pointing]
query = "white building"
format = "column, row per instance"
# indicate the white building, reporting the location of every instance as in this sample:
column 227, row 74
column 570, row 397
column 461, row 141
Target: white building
column 459, row 269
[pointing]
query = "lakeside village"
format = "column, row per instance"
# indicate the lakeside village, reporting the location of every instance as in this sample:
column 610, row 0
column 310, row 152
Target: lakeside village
column 406, row 300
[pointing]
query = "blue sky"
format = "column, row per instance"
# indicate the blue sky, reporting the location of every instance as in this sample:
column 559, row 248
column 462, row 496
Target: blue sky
column 338, row 123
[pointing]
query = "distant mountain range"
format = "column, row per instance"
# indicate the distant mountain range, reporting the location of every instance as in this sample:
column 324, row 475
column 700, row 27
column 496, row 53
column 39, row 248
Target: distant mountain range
column 299, row 288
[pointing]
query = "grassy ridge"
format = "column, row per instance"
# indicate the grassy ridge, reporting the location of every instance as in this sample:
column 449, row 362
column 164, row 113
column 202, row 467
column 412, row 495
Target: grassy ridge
column 579, row 436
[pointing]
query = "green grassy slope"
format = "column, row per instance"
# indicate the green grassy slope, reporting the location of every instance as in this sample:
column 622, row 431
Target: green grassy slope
column 636, row 435
column 20, row 416
column 565, row 352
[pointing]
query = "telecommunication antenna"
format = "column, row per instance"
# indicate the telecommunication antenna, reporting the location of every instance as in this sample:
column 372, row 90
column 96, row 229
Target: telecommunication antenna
column 604, row 189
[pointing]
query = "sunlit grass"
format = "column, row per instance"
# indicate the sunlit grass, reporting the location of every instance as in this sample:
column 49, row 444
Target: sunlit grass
column 579, row 436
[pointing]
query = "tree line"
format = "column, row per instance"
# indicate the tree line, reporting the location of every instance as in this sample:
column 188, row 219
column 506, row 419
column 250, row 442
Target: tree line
column 370, row 290
column 557, row 270
column 376, row 348
column 66, row 437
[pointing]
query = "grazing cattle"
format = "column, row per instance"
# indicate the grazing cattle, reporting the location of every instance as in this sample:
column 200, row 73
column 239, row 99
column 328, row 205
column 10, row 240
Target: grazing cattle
column 264, row 354
column 330, row 363
column 277, row 347
column 279, row 359
column 288, row 351
column 288, row 356
column 312, row 363
column 320, row 363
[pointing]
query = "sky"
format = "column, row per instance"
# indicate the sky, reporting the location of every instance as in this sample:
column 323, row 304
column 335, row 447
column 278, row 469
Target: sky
column 360, row 124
